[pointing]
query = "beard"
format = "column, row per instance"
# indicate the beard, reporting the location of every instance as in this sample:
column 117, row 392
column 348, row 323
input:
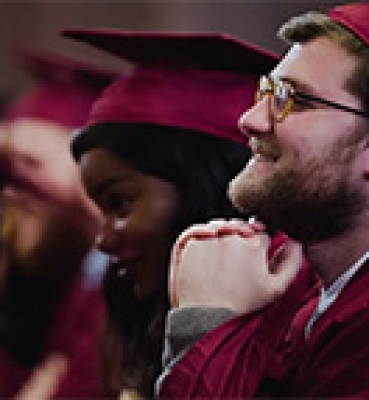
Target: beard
column 311, row 202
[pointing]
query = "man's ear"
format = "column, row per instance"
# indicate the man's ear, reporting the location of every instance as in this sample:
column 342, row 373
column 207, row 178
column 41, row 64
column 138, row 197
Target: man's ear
column 365, row 157
column 366, row 167
column 366, row 170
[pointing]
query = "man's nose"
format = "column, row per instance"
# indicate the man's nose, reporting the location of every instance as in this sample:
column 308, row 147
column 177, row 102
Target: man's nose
column 257, row 120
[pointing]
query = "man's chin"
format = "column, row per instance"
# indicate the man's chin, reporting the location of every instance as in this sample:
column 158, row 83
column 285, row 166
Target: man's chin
column 240, row 191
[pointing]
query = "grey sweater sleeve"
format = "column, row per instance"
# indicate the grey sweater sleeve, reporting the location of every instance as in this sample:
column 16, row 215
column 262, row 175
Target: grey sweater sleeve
column 184, row 326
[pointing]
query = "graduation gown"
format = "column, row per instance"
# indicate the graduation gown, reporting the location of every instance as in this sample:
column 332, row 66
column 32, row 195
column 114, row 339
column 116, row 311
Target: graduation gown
column 267, row 354
column 74, row 332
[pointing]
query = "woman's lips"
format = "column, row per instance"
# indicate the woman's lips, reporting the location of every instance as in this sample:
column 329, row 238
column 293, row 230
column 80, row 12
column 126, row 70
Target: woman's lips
column 123, row 267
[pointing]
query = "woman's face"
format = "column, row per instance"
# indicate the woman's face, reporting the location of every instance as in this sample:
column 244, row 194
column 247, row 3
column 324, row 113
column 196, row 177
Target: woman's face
column 139, row 210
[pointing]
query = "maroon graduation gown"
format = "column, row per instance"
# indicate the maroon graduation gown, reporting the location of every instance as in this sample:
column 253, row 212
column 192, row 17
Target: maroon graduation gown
column 74, row 332
column 267, row 354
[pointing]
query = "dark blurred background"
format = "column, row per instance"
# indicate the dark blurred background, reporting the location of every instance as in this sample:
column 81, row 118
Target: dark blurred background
column 38, row 23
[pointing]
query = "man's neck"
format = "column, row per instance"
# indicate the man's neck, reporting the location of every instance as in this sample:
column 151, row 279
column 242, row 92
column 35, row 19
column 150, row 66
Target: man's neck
column 331, row 258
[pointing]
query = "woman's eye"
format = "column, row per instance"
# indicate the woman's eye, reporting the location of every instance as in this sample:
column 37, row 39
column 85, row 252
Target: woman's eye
column 117, row 203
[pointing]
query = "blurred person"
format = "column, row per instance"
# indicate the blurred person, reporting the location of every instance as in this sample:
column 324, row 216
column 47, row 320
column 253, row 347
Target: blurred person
column 156, row 154
column 5, row 99
column 308, row 176
column 50, row 309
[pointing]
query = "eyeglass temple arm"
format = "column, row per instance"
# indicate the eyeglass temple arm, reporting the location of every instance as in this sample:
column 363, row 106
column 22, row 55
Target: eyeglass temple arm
column 331, row 104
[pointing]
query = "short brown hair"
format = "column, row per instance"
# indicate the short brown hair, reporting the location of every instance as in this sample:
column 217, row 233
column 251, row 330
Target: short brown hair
column 313, row 25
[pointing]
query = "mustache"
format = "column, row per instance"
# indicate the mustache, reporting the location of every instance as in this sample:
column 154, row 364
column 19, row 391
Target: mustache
column 268, row 147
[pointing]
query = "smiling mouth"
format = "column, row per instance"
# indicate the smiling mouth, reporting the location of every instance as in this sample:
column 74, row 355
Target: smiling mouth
column 265, row 157
column 122, row 267
column 122, row 272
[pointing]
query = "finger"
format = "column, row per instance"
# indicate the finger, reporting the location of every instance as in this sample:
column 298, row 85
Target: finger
column 219, row 227
column 216, row 222
column 172, row 285
column 257, row 225
column 172, row 275
column 194, row 232
column 237, row 226
column 264, row 241
column 244, row 228
column 285, row 264
column 197, row 231
column 175, row 257
column 222, row 227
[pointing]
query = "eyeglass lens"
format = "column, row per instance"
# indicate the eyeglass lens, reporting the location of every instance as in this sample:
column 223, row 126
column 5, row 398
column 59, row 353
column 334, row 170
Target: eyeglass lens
column 279, row 93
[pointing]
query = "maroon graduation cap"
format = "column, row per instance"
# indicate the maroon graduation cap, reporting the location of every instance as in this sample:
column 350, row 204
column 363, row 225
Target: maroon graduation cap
column 354, row 17
column 64, row 91
column 195, row 81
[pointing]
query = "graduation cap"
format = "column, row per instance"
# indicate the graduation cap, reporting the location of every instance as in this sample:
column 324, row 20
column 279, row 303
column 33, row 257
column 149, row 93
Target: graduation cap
column 64, row 89
column 194, row 81
column 354, row 17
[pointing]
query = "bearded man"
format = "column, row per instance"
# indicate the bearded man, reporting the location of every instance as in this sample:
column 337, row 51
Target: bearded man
column 308, row 177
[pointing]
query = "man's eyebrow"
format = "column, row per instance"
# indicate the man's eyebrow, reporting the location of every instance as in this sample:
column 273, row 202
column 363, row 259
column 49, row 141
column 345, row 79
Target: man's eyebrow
column 299, row 86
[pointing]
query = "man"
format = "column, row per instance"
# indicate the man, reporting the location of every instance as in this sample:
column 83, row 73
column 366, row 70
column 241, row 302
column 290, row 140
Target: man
column 50, row 311
column 308, row 177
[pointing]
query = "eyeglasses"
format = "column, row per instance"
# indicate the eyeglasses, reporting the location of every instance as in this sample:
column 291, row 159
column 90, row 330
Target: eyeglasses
column 284, row 96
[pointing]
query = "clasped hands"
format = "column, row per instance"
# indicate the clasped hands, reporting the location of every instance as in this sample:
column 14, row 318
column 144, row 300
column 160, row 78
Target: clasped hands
column 226, row 264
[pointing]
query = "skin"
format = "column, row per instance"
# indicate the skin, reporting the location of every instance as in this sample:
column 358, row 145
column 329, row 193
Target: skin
column 314, row 135
column 192, row 283
column 138, row 210
column 320, row 151
column 49, row 223
column 42, row 226
column 41, row 167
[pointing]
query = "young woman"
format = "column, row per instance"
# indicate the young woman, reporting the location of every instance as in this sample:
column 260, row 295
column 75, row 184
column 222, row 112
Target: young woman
column 157, row 156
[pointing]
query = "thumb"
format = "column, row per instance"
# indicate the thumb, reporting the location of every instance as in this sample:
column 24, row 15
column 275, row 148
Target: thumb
column 285, row 265
column 172, row 276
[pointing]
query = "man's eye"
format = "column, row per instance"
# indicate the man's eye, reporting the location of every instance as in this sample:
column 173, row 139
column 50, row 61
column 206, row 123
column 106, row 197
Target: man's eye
column 302, row 102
